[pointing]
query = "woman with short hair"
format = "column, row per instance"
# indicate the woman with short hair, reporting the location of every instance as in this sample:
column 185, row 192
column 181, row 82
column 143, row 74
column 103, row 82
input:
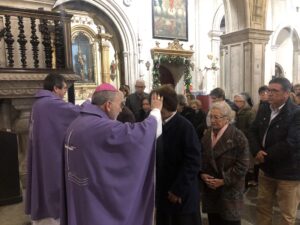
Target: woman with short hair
column 225, row 164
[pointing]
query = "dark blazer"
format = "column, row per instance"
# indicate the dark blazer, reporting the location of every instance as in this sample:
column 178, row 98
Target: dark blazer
column 126, row 115
column 142, row 115
column 177, row 167
column 282, row 141
column 134, row 103
column 198, row 119
column 228, row 160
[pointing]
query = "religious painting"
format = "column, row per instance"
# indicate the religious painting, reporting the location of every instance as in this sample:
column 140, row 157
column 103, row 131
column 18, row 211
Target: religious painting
column 83, row 63
column 170, row 19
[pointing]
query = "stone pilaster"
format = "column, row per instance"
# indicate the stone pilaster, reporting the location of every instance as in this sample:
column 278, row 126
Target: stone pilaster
column 105, row 63
column 243, row 54
column 20, row 126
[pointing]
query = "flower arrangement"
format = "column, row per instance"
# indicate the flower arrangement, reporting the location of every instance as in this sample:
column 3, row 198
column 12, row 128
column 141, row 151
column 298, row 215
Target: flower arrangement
column 178, row 60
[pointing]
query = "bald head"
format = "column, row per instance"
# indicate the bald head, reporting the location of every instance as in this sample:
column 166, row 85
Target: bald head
column 140, row 86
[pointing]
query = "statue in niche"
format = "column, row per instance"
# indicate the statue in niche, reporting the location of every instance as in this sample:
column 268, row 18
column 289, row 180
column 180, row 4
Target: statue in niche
column 81, row 62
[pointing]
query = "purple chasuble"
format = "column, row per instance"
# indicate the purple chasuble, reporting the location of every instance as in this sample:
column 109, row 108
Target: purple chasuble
column 49, row 120
column 109, row 170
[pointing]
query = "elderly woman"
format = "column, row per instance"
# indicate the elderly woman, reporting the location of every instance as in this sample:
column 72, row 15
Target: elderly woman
column 244, row 118
column 245, row 115
column 225, row 163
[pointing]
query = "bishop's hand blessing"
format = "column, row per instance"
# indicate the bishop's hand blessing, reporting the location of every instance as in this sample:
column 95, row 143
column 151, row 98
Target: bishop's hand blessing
column 156, row 101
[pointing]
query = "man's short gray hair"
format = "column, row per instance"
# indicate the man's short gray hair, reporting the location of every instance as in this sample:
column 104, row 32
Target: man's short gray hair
column 140, row 81
column 101, row 97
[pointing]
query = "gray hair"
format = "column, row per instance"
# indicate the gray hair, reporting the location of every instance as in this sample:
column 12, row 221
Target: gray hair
column 224, row 108
column 244, row 97
column 101, row 97
column 140, row 81
column 182, row 100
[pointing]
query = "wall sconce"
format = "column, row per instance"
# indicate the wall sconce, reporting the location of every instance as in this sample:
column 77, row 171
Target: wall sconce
column 148, row 64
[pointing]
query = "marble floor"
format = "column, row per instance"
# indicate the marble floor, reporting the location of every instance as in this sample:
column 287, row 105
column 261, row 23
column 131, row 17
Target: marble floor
column 14, row 214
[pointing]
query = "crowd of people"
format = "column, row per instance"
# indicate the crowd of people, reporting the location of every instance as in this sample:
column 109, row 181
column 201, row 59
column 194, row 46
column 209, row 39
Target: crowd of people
column 142, row 159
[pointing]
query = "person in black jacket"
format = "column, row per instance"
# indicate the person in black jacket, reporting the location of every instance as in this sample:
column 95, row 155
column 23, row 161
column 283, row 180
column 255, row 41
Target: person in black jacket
column 126, row 115
column 274, row 141
column 199, row 118
column 145, row 110
column 177, row 166
column 134, row 100
column 218, row 94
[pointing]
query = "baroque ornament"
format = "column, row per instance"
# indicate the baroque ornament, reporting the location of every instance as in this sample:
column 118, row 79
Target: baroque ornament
column 173, row 54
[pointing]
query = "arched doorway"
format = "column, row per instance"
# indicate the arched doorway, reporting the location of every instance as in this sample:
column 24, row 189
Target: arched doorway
column 286, row 53
column 110, row 18
column 278, row 70
column 165, row 76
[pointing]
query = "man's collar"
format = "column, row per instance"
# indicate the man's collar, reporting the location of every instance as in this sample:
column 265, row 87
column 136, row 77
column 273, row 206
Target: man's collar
column 170, row 117
column 278, row 108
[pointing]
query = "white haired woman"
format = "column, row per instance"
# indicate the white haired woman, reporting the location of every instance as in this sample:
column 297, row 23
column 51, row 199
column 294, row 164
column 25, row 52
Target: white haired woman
column 244, row 118
column 225, row 164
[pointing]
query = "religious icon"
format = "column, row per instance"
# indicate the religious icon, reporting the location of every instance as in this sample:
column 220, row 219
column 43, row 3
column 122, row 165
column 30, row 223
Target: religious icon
column 83, row 58
column 81, row 62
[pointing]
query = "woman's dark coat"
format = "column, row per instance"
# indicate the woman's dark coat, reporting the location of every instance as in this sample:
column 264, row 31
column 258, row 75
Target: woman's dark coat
column 228, row 160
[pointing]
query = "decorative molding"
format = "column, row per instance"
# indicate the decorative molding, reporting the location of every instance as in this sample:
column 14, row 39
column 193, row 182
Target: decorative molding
column 215, row 33
column 174, row 54
column 120, row 19
column 127, row 2
column 7, row 93
column 246, row 35
column 174, row 49
column 33, row 76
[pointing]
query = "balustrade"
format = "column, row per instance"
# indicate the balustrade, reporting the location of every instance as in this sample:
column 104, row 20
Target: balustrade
column 34, row 40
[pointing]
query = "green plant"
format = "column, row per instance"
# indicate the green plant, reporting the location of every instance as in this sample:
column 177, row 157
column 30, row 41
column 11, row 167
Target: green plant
column 178, row 60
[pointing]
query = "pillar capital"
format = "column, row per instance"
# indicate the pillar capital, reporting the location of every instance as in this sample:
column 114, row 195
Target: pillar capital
column 246, row 35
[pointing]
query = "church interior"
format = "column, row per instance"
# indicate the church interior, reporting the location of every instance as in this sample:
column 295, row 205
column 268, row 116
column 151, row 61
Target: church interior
column 198, row 45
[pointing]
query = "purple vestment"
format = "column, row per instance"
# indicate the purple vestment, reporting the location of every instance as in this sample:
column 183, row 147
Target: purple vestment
column 109, row 170
column 50, row 118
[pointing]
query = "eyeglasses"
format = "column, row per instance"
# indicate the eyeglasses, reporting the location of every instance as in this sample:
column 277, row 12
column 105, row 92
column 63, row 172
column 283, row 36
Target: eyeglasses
column 273, row 91
column 216, row 117
column 239, row 101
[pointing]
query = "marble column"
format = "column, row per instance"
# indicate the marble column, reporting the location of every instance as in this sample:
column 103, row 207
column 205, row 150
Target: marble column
column 296, row 66
column 245, row 60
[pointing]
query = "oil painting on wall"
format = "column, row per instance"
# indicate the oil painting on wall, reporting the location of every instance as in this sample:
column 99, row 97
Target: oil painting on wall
column 170, row 19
